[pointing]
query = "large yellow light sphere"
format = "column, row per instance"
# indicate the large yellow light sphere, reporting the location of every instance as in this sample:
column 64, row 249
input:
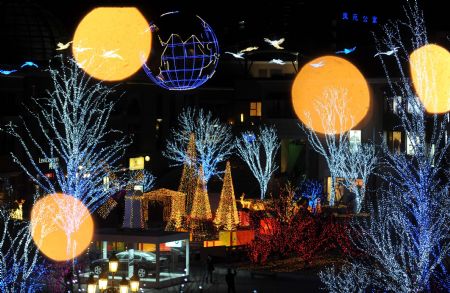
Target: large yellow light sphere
column 313, row 85
column 430, row 73
column 61, row 226
column 111, row 43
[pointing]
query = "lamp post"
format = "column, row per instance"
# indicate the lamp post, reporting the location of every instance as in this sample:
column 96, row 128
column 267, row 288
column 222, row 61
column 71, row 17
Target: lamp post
column 124, row 285
column 134, row 283
column 92, row 285
column 113, row 266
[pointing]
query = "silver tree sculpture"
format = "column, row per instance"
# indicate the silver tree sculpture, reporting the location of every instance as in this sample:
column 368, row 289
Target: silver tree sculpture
column 333, row 143
column 21, row 265
column 213, row 141
column 359, row 163
column 259, row 152
column 69, row 128
column 406, row 239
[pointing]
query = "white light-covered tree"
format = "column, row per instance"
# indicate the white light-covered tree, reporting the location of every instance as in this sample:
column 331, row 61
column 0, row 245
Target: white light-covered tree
column 73, row 129
column 259, row 152
column 359, row 163
column 139, row 177
column 70, row 129
column 333, row 144
column 406, row 239
column 21, row 266
column 213, row 140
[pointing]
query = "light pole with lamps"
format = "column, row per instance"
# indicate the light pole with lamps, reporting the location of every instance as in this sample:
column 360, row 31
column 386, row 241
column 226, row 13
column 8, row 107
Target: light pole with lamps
column 124, row 285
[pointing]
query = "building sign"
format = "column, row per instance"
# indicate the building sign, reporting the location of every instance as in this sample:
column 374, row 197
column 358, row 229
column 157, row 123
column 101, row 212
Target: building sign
column 52, row 162
column 178, row 243
column 137, row 163
column 356, row 17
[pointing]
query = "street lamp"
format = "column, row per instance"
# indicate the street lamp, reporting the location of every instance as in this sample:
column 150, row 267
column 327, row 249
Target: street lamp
column 123, row 285
column 103, row 282
column 113, row 266
column 92, row 285
column 134, row 283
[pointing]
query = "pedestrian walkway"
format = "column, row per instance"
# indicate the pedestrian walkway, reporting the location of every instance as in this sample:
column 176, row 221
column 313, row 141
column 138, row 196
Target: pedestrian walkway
column 245, row 283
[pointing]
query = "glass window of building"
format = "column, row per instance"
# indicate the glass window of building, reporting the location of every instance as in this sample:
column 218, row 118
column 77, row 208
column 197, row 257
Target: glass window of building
column 410, row 145
column 394, row 140
column 354, row 139
column 255, row 109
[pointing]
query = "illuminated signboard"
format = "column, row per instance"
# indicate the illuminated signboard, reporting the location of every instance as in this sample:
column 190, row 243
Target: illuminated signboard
column 137, row 163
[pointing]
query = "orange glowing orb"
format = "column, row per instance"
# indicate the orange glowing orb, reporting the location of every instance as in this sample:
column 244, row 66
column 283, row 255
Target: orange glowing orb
column 61, row 226
column 111, row 43
column 430, row 73
column 330, row 95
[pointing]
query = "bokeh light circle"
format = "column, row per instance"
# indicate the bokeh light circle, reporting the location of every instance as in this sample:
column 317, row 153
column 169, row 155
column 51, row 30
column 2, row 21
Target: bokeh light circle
column 324, row 74
column 430, row 74
column 110, row 42
column 51, row 217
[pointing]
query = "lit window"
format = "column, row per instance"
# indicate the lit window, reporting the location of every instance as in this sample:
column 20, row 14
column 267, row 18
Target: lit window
column 396, row 104
column 354, row 139
column 413, row 108
column 410, row 145
column 255, row 109
column 394, row 141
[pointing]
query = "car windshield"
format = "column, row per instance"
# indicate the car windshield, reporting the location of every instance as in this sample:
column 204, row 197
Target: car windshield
column 137, row 255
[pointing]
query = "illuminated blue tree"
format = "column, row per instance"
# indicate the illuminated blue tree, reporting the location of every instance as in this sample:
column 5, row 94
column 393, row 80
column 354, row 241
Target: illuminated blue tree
column 70, row 130
column 359, row 163
column 21, row 266
column 334, row 143
column 259, row 154
column 406, row 238
column 213, row 141
column 140, row 177
column 73, row 134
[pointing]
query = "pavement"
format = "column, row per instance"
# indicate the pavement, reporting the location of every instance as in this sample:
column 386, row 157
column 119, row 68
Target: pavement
column 282, row 282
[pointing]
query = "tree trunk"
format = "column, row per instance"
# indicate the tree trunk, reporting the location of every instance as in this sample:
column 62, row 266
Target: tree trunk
column 332, row 191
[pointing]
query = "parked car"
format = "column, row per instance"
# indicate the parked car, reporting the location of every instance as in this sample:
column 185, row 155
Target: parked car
column 144, row 263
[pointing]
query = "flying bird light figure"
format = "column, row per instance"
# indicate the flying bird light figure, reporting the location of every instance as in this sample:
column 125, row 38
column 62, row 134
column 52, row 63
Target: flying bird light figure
column 7, row 72
column 81, row 49
column 238, row 55
column 249, row 49
column 111, row 54
column 275, row 43
column 318, row 64
column 346, row 51
column 29, row 64
column 388, row 53
column 62, row 46
column 277, row 61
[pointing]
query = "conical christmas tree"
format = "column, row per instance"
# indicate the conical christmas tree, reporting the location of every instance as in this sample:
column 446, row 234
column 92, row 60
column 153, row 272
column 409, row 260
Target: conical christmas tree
column 201, row 210
column 227, row 215
column 189, row 176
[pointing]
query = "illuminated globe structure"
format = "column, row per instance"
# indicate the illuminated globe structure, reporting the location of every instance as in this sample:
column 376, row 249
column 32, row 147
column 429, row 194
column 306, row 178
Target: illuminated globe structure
column 187, row 59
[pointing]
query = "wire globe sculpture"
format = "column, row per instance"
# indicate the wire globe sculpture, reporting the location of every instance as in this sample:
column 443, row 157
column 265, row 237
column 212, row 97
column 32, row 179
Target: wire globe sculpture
column 185, row 63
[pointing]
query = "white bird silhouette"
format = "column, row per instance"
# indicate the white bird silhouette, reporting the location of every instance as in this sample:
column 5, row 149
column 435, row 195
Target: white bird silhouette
column 111, row 54
column 318, row 64
column 275, row 43
column 62, row 46
column 81, row 49
column 388, row 53
column 277, row 61
column 249, row 49
column 238, row 55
